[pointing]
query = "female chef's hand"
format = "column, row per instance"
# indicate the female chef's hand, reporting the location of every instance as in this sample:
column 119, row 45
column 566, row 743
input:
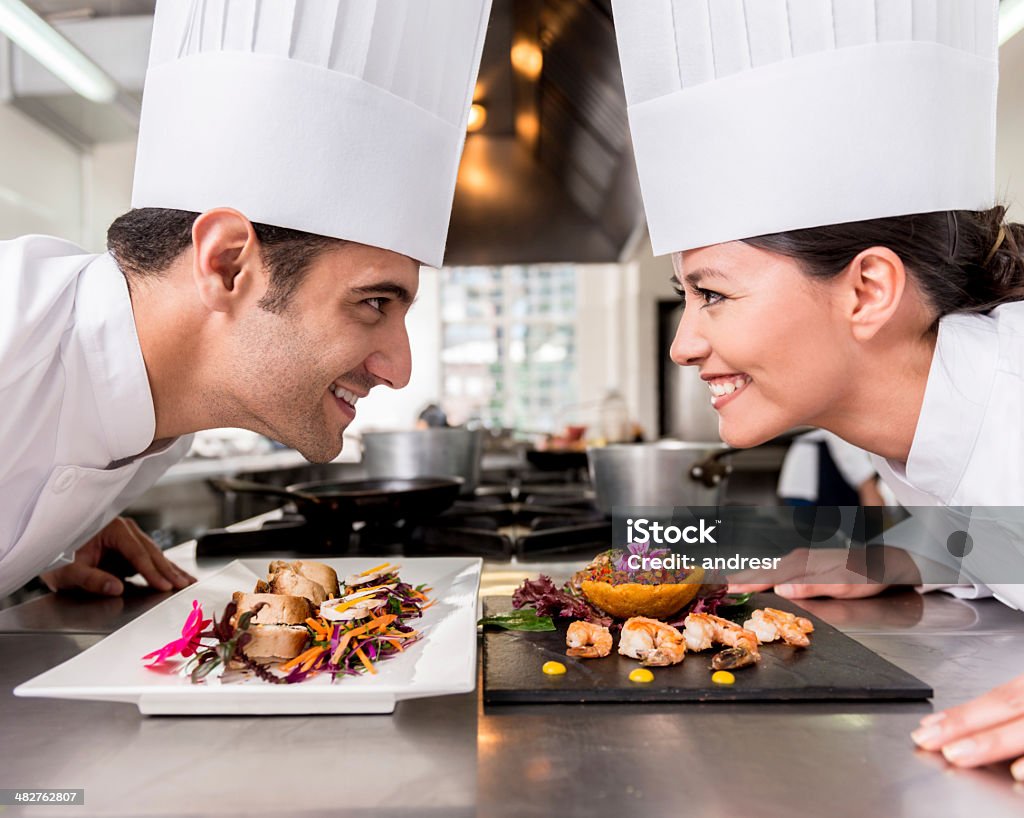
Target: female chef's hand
column 990, row 728
column 811, row 572
column 127, row 543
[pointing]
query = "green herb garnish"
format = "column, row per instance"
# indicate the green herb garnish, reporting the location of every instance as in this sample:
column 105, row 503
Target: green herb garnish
column 523, row 619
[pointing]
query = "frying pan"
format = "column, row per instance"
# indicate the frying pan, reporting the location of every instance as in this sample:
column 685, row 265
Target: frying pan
column 556, row 459
column 363, row 500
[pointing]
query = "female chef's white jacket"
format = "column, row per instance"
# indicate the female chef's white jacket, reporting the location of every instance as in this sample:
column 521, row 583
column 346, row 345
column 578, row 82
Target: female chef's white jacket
column 76, row 413
column 968, row 453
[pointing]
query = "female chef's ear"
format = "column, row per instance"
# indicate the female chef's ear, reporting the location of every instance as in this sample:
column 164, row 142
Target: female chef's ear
column 226, row 259
column 876, row 280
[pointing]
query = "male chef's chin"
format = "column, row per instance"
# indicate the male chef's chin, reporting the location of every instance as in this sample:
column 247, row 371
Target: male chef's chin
column 261, row 279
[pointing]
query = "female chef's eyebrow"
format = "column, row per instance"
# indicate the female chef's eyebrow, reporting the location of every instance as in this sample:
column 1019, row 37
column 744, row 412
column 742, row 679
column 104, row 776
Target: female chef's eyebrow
column 694, row 278
column 396, row 291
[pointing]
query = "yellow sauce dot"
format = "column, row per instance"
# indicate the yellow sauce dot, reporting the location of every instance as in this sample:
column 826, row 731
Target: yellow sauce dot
column 722, row 677
column 642, row 675
column 553, row 668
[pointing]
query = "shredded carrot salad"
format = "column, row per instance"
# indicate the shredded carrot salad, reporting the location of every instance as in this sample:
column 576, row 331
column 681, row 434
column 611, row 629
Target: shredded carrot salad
column 353, row 646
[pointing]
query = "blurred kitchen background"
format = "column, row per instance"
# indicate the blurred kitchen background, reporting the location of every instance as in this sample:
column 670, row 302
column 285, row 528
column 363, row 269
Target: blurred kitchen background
column 550, row 327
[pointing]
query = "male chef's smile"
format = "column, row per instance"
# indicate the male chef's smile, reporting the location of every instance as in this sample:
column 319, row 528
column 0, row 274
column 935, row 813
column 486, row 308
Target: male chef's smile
column 342, row 333
column 291, row 365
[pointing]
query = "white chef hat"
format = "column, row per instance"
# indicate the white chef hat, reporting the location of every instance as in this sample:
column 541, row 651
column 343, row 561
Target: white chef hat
column 344, row 118
column 760, row 116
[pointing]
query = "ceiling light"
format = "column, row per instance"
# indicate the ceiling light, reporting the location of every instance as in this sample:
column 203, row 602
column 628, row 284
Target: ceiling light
column 1011, row 19
column 527, row 59
column 477, row 117
column 36, row 37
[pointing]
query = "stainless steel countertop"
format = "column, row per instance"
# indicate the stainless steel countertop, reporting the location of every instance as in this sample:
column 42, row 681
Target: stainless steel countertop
column 450, row 757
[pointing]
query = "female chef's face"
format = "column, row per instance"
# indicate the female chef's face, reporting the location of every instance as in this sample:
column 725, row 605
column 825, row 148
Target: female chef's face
column 297, row 373
column 766, row 338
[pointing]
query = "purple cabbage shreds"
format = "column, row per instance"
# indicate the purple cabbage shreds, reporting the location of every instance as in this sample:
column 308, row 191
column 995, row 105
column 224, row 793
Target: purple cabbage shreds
column 533, row 591
column 709, row 599
column 548, row 600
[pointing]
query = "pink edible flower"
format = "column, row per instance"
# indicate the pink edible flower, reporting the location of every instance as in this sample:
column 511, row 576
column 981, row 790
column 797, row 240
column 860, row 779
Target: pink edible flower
column 189, row 641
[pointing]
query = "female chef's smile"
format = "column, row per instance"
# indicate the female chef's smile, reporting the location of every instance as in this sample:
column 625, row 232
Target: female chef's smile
column 752, row 324
column 779, row 349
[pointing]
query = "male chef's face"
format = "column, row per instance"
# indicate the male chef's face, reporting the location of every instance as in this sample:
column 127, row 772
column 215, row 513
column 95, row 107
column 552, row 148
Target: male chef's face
column 298, row 372
column 762, row 334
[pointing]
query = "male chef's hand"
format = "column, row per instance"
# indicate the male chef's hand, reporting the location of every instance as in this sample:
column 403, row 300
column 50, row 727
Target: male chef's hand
column 122, row 538
column 988, row 729
column 811, row 572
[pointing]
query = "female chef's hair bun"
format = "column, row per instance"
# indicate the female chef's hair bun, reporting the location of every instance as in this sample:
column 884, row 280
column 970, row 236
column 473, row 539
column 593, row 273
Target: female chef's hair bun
column 1003, row 265
column 963, row 260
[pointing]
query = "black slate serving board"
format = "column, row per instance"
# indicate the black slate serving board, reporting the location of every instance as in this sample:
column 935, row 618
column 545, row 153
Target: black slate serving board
column 834, row 667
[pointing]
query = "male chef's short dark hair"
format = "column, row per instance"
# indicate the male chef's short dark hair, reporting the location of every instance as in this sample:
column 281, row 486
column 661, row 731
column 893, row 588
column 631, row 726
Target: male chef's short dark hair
column 146, row 241
column 959, row 259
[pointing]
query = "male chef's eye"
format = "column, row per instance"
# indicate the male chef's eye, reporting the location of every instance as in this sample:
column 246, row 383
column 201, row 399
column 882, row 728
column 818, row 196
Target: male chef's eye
column 377, row 303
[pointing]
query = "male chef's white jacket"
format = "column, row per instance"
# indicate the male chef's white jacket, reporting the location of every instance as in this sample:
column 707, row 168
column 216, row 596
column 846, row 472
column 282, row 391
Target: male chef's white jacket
column 76, row 412
column 968, row 453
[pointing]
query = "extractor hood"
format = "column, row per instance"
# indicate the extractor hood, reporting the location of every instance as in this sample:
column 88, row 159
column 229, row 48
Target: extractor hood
column 548, row 177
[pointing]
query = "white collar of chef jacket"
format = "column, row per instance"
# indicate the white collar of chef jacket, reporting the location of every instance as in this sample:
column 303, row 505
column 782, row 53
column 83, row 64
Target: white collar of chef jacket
column 116, row 368
column 956, row 399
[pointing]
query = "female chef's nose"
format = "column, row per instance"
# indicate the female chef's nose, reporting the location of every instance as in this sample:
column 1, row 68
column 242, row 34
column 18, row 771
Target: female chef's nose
column 689, row 347
column 391, row 364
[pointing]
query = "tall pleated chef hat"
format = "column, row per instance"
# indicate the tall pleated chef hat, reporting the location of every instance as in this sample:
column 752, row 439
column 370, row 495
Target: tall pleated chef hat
column 762, row 116
column 344, row 118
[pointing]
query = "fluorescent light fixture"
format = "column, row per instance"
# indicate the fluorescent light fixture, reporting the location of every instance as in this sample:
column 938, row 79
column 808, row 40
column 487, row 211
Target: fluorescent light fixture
column 36, row 37
column 1011, row 19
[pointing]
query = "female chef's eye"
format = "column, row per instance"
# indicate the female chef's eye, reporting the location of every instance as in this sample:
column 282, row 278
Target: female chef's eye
column 709, row 297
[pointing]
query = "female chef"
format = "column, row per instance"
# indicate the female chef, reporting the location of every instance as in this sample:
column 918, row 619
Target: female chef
column 823, row 174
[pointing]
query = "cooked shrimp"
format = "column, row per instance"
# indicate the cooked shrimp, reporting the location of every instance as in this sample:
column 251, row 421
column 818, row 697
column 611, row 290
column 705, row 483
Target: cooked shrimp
column 732, row 658
column 588, row 641
column 652, row 642
column 770, row 623
column 700, row 630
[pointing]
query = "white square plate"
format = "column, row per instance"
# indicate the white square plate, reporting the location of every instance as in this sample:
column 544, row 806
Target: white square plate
column 443, row 662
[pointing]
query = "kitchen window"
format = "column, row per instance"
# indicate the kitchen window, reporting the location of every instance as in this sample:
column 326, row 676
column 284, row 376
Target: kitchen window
column 509, row 345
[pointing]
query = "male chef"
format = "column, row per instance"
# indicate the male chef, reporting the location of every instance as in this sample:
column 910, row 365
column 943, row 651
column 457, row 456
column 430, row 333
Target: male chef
column 296, row 165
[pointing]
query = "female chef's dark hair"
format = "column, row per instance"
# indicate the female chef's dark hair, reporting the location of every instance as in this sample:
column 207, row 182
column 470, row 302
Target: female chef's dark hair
column 949, row 254
column 146, row 241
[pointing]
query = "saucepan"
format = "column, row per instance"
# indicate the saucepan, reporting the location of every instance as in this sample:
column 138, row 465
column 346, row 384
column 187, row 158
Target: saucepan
column 664, row 473
column 425, row 453
column 362, row 500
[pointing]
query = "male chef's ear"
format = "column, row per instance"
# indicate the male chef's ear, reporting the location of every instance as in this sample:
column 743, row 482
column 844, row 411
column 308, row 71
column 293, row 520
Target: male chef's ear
column 875, row 282
column 226, row 258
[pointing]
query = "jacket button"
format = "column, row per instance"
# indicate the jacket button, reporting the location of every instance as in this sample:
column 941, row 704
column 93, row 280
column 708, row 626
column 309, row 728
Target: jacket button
column 65, row 481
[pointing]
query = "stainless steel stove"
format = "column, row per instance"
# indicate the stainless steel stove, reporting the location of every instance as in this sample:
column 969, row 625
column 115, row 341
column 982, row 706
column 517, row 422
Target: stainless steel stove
column 499, row 521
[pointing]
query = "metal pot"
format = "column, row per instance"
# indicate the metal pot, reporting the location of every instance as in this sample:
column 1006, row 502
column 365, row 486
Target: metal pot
column 655, row 474
column 425, row 453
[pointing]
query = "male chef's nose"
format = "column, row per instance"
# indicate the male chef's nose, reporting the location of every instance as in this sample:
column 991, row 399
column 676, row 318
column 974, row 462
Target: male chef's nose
column 689, row 347
column 391, row 364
